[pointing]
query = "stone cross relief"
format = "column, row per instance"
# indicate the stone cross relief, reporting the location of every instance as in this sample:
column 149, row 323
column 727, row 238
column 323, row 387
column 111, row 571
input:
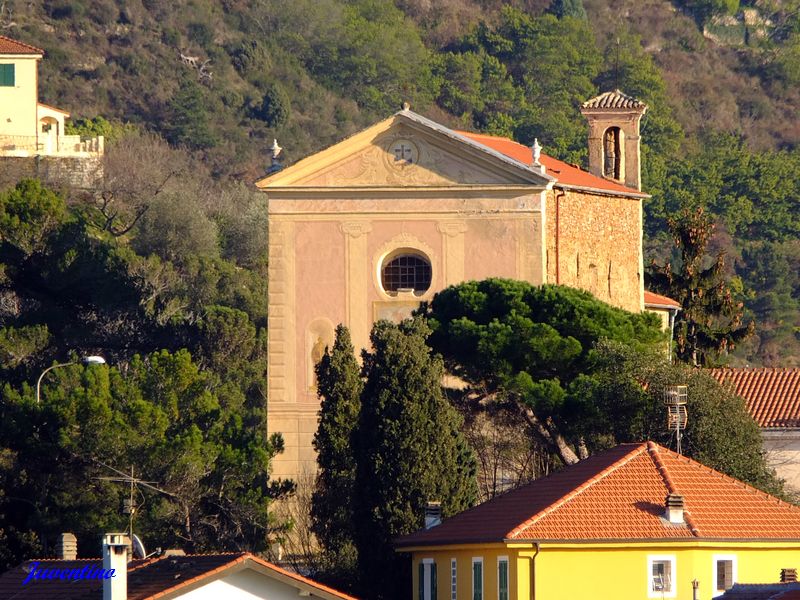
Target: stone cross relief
column 403, row 153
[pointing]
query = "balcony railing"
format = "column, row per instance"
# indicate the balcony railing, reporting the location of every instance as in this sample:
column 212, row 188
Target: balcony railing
column 64, row 145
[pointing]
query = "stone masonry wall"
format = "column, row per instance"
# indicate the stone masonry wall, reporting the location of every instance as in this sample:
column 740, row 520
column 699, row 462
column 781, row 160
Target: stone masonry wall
column 594, row 242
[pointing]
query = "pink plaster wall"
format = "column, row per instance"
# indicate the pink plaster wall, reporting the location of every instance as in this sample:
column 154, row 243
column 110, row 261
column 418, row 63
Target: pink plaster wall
column 320, row 277
column 490, row 248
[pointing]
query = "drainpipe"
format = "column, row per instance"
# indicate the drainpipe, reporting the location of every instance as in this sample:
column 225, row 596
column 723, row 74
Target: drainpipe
column 672, row 314
column 559, row 195
column 533, row 571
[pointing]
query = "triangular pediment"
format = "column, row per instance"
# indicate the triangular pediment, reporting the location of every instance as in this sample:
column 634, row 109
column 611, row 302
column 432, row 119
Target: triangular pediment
column 406, row 150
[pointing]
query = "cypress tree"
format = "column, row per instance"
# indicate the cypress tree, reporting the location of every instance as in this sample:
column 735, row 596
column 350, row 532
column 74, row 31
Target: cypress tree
column 409, row 451
column 339, row 387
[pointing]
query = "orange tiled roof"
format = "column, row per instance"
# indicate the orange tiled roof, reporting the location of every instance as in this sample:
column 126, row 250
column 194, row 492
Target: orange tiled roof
column 619, row 494
column 147, row 579
column 566, row 174
column 9, row 46
column 653, row 299
column 772, row 394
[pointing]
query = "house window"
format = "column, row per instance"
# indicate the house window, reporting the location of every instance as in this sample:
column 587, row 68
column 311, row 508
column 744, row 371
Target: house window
column 427, row 579
column 477, row 578
column 502, row 578
column 453, row 579
column 6, row 75
column 724, row 575
column 406, row 272
column 661, row 576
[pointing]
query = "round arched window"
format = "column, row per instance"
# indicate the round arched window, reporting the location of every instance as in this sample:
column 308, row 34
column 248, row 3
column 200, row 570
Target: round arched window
column 406, row 272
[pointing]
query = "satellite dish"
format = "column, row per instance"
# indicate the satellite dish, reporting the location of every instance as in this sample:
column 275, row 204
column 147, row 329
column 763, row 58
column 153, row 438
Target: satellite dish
column 138, row 547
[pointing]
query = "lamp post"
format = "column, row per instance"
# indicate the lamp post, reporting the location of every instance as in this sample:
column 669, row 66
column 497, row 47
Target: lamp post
column 87, row 360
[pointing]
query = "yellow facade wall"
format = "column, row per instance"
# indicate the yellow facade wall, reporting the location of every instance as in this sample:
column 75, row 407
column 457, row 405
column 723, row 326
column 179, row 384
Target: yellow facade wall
column 618, row 571
column 464, row 557
column 18, row 104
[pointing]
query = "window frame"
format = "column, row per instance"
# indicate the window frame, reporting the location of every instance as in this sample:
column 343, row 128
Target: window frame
column 715, row 558
column 673, row 576
column 404, row 253
column 477, row 560
column 503, row 560
column 6, row 68
column 427, row 566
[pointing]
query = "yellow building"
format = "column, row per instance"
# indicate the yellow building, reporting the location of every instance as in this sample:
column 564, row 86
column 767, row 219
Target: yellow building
column 636, row 522
column 28, row 127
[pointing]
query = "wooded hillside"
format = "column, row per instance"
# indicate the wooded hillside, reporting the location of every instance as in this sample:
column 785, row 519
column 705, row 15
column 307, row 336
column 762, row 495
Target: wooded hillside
column 225, row 78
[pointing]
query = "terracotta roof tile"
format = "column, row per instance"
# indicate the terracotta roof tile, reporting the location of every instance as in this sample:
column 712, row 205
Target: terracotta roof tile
column 619, row 494
column 615, row 99
column 147, row 579
column 772, row 394
column 9, row 46
column 653, row 299
column 566, row 174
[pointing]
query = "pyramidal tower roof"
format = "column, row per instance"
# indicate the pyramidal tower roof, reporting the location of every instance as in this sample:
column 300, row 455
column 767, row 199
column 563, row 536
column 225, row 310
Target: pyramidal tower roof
column 615, row 99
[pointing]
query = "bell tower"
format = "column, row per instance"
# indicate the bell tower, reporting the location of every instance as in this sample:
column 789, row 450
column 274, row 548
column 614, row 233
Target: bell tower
column 614, row 151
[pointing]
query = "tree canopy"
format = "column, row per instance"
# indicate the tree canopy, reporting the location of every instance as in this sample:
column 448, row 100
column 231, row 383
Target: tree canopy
column 532, row 347
column 409, row 451
column 184, row 401
column 710, row 322
column 165, row 419
column 339, row 386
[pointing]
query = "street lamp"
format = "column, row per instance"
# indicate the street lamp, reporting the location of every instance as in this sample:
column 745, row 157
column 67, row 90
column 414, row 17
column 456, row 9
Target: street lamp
column 86, row 360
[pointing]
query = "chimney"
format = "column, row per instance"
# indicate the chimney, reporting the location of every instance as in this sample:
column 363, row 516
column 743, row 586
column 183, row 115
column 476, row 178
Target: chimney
column 115, row 556
column 788, row 575
column 614, row 150
column 67, row 547
column 433, row 514
column 674, row 512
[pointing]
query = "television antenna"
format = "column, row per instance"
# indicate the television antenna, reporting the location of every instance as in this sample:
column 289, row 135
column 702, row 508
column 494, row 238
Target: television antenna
column 130, row 505
column 675, row 398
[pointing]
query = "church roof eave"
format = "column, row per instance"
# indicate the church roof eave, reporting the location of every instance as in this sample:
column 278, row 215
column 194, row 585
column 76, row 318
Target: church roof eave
column 452, row 134
column 532, row 175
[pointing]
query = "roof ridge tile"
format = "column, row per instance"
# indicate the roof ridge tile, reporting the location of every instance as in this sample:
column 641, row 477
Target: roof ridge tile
column 653, row 450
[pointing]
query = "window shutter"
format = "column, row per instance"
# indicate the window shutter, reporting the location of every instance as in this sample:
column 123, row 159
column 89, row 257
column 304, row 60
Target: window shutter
column 477, row 581
column 433, row 581
column 7, row 75
column 502, row 576
column 421, row 585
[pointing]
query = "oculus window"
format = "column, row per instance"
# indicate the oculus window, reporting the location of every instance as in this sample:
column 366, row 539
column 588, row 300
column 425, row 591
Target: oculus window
column 407, row 271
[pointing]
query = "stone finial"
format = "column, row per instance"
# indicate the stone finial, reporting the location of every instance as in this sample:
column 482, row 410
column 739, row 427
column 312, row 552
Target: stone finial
column 275, row 148
column 276, row 165
column 537, row 151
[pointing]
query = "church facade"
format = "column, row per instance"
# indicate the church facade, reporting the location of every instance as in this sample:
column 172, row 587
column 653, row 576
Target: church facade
column 372, row 226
